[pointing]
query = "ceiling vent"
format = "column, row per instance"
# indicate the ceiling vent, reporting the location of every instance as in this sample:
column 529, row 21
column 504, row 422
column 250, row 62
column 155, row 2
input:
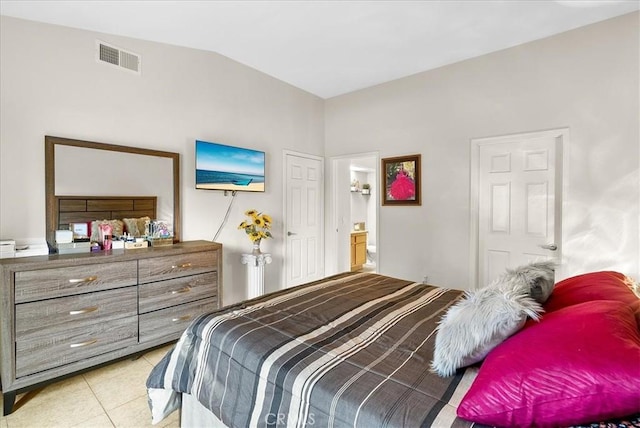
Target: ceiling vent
column 109, row 54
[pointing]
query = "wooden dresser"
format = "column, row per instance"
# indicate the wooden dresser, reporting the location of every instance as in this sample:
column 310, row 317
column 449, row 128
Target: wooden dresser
column 62, row 314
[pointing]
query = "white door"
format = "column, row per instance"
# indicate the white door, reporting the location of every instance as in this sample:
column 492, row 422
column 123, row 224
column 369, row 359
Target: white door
column 338, row 252
column 303, row 218
column 519, row 201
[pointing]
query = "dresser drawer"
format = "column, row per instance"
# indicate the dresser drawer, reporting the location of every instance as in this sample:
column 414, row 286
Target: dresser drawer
column 171, row 322
column 162, row 294
column 159, row 268
column 74, row 344
column 58, row 282
column 49, row 317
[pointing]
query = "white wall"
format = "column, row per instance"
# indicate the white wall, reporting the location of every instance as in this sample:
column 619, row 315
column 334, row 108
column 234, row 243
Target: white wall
column 51, row 84
column 586, row 80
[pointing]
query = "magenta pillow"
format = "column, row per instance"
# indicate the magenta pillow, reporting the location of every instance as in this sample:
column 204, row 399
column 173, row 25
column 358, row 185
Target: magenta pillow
column 578, row 365
column 605, row 285
column 635, row 307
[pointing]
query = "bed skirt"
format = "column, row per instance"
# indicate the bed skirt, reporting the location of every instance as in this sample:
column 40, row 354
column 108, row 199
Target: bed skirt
column 193, row 414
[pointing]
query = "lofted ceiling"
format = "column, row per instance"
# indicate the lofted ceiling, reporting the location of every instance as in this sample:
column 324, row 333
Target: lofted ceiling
column 329, row 48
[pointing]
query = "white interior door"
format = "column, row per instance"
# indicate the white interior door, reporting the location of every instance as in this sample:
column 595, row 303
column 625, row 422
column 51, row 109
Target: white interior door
column 519, row 202
column 303, row 200
column 339, row 252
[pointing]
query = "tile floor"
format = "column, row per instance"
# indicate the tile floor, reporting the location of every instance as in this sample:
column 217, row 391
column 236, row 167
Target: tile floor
column 111, row 396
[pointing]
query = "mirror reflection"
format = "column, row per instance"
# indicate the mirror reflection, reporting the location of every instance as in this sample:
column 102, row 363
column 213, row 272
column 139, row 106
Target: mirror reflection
column 83, row 168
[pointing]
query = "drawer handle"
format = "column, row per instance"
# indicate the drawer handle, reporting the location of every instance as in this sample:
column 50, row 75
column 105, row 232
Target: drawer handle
column 182, row 290
column 84, row 311
column 81, row 281
column 182, row 318
column 85, row 343
column 182, row 266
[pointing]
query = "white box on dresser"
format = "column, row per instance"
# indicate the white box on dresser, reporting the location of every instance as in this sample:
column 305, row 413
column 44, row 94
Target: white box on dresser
column 7, row 248
column 62, row 314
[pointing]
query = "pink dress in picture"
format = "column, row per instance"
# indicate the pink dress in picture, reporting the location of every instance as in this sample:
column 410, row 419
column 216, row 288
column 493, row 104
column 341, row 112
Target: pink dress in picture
column 403, row 187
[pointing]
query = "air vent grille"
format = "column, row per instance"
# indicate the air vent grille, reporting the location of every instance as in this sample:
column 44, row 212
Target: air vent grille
column 129, row 61
column 115, row 56
column 109, row 54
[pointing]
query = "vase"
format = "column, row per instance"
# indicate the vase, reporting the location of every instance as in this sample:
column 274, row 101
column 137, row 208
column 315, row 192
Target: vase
column 256, row 248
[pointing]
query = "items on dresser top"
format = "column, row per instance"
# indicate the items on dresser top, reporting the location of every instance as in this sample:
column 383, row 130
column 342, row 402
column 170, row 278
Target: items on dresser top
column 73, row 247
column 7, row 248
column 107, row 235
column 65, row 313
column 23, row 248
column 64, row 236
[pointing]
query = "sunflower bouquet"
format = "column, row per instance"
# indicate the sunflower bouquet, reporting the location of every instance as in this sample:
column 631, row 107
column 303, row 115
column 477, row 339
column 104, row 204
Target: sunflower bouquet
column 256, row 226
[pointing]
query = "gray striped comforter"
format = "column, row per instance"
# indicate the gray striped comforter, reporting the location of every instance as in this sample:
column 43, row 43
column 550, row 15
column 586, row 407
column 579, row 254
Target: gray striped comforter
column 350, row 350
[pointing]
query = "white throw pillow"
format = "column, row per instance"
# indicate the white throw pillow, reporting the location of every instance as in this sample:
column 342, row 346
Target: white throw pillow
column 478, row 323
column 481, row 321
column 536, row 279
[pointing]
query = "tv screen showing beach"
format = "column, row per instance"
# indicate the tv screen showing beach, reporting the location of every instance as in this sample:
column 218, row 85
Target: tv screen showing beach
column 221, row 167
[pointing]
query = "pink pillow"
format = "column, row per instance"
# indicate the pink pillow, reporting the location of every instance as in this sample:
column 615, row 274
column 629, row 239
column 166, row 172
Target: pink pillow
column 635, row 307
column 578, row 365
column 605, row 285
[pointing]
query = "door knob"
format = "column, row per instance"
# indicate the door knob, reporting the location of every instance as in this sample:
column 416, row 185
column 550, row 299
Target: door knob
column 551, row 247
column 291, row 233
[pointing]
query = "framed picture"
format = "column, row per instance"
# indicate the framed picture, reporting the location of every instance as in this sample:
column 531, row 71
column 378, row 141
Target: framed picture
column 401, row 180
column 80, row 230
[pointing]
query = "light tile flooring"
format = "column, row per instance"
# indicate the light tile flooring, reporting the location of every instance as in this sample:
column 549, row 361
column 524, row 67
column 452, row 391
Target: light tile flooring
column 111, row 396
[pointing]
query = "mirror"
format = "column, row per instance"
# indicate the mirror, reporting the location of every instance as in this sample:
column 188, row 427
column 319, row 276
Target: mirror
column 75, row 167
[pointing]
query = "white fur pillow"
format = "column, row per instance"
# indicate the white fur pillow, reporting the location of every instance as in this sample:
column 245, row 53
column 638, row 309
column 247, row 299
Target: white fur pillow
column 536, row 279
column 485, row 318
column 477, row 324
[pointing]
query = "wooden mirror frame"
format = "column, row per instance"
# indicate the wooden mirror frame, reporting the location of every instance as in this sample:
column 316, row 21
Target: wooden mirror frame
column 50, row 177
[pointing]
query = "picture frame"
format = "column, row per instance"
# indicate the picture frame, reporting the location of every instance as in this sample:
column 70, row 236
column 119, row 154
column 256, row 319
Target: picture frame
column 80, row 230
column 401, row 180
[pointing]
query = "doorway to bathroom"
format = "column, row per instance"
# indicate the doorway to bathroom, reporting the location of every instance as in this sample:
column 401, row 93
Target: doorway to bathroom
column 352, row 233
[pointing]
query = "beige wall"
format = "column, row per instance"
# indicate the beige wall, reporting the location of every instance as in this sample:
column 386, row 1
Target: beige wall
column 51, row 84
column 586, row 80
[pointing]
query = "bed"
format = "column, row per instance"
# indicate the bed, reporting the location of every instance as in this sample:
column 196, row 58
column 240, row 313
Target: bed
column 355, row 349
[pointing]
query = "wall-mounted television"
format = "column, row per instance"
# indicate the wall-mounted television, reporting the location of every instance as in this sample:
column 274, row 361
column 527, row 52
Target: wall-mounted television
column 222, row 167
